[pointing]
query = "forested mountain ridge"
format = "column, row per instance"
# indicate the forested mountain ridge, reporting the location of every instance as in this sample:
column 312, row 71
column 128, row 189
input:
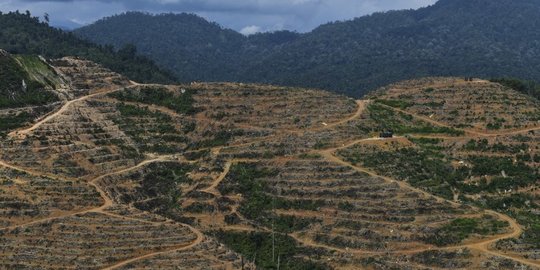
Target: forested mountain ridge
column 481, row 38
column 188, row 45
column 24, row 34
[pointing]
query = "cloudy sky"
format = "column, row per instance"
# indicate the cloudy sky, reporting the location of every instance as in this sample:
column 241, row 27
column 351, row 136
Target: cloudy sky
column 247, row 16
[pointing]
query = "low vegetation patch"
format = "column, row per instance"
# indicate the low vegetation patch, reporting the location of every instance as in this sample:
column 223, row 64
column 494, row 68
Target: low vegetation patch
column 160, row 96
column 12, row 122
column 462, row 228
column 401, row 123
column 396, row 103
column 17, row 89
column 526, row 87
column 422, row 168
column 153, row 131
column 245, row 178
column 257, row 247
column 484, row 146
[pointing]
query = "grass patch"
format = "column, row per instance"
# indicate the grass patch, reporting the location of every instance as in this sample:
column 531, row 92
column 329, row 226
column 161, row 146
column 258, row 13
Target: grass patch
column 462, row 228
column 39, row 71
column 422, row 168
column 160, row 96
column 309, row 156
column 12, row 91
column 12, row 122
column 400, row 123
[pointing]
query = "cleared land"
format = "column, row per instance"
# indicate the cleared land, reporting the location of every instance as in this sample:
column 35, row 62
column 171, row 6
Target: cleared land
column 215, row 176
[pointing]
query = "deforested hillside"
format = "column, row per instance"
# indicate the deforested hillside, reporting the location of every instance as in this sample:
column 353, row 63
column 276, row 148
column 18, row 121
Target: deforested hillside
column 482, row 38
column 477, row 105
column 122, row 175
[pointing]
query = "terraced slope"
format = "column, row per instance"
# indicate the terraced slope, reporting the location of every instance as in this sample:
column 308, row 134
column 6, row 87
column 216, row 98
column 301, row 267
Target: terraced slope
column 478, row 105
column 224, row 176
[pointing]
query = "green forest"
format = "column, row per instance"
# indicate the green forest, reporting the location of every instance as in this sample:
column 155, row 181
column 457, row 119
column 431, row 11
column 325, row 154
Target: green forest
column 21, row 33
column 472, row 38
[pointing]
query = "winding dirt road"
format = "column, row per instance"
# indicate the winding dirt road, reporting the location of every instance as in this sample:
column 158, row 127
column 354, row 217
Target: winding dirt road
column 21, row 134
column 328, row 154
column 197, row 241
column 482, row 245
column 212, row 189
column 362, row 105
column 108, row 202
column 467, row 131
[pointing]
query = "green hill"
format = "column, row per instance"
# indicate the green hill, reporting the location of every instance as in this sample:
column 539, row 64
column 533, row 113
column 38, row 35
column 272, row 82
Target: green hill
column 191, row 47
column 483, row 38
column 18, row 86
column 24, row 34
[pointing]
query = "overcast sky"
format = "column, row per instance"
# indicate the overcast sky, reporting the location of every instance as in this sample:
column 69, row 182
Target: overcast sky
column 247, row 16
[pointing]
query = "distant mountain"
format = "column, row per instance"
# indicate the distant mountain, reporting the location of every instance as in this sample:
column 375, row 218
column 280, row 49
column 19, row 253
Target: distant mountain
column 483, row 38
column 188, row 45
column 24, row 34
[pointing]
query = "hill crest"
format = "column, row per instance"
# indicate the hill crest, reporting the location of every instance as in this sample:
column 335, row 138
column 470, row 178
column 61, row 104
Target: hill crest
column 212, row 175
column 450, row 38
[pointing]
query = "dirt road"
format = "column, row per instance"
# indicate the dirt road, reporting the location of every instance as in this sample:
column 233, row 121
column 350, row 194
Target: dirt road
column 329, row 154
column 198, row 240
column 21, row 134
column 467, row 131
column 482, row 245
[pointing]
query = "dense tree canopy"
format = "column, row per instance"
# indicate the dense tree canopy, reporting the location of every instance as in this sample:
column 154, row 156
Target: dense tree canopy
column 24, row 34
column 484, row 38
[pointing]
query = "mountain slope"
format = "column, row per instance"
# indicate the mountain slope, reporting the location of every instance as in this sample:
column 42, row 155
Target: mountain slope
column 461, row 38
column 18, row 87
column 191, row 47
column 244, row 176
column 23, row 34
column 453, row 37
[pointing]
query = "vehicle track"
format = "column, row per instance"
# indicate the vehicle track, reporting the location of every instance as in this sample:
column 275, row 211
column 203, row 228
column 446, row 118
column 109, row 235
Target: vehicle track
column 108, row 203
column 467, row 131
column 212, row 189
column 328, row 154
column 197, row 241
column 483, row 245
column 21, row 134
column 362, row 105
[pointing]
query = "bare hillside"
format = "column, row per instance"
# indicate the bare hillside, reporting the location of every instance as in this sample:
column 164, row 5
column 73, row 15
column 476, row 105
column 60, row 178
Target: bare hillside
column 121, row 175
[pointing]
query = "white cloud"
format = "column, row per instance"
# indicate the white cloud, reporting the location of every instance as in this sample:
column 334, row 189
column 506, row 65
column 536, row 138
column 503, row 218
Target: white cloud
column 250, row 30
column 77, row 21
column 300, row 15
